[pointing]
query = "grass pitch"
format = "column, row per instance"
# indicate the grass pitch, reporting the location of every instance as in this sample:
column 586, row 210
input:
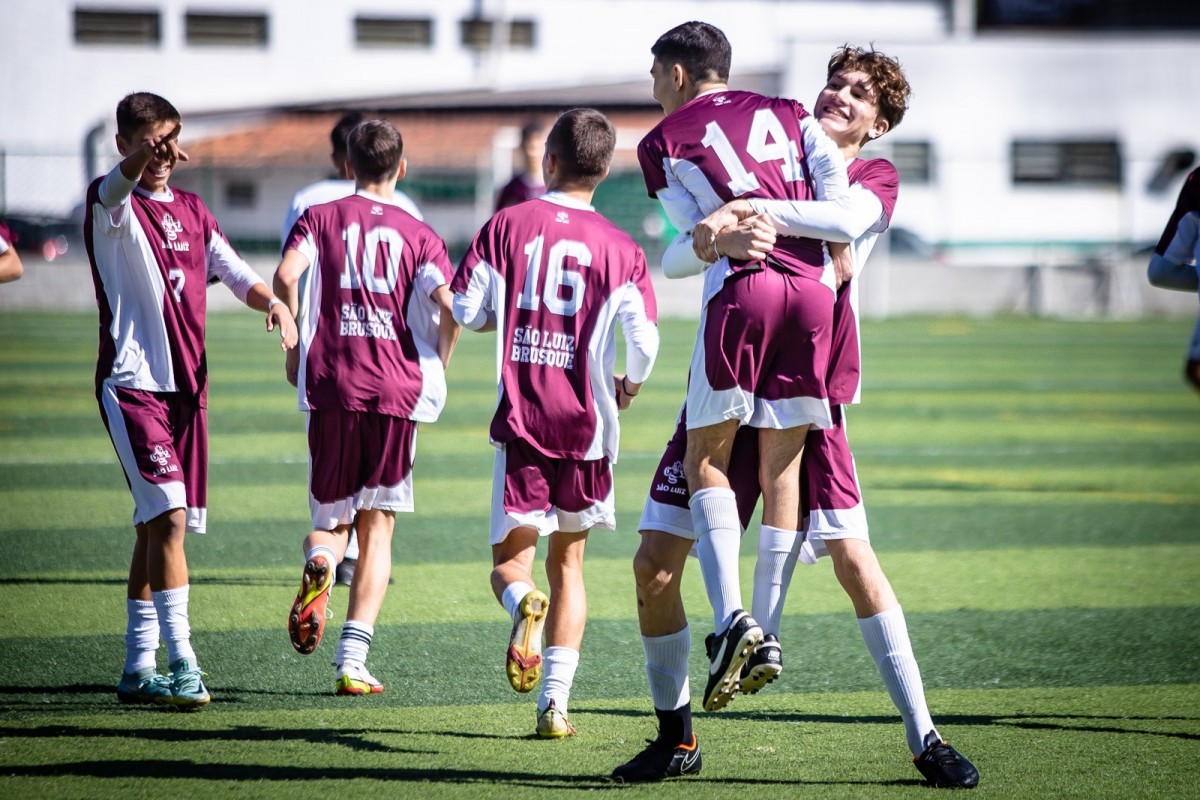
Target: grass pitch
column 1033, row 493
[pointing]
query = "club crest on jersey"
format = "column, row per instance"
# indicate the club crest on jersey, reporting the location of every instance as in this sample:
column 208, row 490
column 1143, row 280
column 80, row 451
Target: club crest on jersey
column 563, row 217
column 172, row 228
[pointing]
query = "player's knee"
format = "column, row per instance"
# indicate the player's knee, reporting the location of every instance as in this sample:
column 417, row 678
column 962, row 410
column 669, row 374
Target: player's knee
column 651, row 574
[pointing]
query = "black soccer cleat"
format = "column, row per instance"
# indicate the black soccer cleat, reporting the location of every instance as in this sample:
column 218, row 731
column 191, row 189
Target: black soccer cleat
column 946, row 768
column 727, row 653
column 764, row 665
column 659, row 761
column 345, row 571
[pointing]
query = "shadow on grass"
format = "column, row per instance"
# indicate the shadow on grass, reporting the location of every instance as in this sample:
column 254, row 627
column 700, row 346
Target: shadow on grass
column 1091, row 723
column 256, row 772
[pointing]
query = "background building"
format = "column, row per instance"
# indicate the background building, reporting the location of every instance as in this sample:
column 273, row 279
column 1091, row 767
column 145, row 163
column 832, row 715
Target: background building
column 1042, row 135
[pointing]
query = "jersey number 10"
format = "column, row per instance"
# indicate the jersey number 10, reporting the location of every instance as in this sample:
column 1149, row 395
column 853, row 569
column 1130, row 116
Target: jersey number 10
column 355, row 277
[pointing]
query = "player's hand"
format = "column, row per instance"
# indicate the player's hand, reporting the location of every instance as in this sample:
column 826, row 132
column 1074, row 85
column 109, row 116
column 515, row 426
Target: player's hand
column 750, row 240
column 624, row 398
column 291, row 365
column 843, row 265
column 280, row 316
column 166, row 147
column 704, row 235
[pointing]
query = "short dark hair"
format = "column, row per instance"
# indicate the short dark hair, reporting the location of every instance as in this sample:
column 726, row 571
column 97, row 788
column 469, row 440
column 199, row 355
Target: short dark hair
column 886, row 74
column 374, row 148
column 341, row 131
column 530, row 129
column 701, row 49
column 139, row 109
column 583, row 141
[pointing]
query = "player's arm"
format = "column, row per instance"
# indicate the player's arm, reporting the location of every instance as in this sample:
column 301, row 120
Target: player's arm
column 826, row 163
column 473, row 306
column 118, row 184
column 637, row 311
column 11, row 267
column 448, row 327
column 1176, row 268
column 751, row 239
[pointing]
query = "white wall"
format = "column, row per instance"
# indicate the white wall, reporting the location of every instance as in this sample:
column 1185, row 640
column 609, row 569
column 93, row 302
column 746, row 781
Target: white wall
column 971, row 99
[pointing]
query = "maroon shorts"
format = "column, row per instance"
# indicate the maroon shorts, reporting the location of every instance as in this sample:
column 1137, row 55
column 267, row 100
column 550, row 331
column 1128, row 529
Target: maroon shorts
column 161, row 439
column 550, row 494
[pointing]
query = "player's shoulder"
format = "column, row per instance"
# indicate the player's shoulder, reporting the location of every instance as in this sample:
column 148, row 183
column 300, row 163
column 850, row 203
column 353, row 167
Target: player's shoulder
column 880, row 169
column 191, row 202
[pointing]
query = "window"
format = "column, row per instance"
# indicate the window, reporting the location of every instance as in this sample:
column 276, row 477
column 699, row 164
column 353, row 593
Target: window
column 1087, row 162
column 393, row 32
column 241, row 30
column 914, row 161
column 101, row 26
column 477, row 33
column 241, row 194
column 1088, row 15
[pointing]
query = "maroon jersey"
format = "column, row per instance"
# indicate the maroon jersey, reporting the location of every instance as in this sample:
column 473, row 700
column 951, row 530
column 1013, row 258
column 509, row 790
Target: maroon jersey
column 730, row 144
column 152, row 258
column 843, row 380
column 518, row 190
column 1189, row 200
column 369, row 327
column 557, row 276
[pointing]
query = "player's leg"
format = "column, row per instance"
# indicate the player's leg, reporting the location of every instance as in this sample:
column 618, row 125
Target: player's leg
column 521, row 514
column 883, row 627
column 565, row 622
column 161, row 441
column 140, row 680
column 374, row 528
column 527, row 606
column 666, row 641
column 334, row 452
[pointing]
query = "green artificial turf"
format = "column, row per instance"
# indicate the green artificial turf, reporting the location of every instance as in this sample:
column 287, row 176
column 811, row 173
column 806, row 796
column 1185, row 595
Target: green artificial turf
column 1033, row 489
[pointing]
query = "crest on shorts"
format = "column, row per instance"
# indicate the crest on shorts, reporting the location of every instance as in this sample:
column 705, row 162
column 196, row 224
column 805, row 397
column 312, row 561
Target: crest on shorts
column 160, row 455
column 674, row 473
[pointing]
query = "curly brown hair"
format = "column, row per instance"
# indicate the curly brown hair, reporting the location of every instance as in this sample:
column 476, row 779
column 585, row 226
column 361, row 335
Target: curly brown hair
column 886, row 75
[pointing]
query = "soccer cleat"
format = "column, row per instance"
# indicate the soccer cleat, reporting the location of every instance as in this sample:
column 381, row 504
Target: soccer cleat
column 659, row 761
column 1191, row 373
column 354, row 680
column 306, row 623
column 553, row 724
column 524, row 660
column 144, row 686
column 946, row 768
column 764, row 665
column 345, row 571
column 187, row 686
column 726, row 654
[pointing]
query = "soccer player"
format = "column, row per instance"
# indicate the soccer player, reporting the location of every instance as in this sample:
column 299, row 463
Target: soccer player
column 553, row 277
column 1173, row 264
column 325, row 191
column 763, row 345
column 11, row 268
column 528, row 183
column 153, row 251
column 865, row 96
column 376, row 335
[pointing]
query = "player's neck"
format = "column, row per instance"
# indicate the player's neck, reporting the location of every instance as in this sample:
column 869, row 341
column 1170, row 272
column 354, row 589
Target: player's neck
column 707, row 87
column 572, row 190
column 385, row 190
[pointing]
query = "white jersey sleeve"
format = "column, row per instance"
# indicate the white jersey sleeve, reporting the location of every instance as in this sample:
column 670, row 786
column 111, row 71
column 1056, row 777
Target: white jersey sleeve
column 840, row 220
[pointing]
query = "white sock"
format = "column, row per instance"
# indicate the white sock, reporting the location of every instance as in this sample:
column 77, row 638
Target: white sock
column 886, row 635
column 513, row 594
column 667, row 668
column 321, row 550
column 773, row 570
column 718, row 542
column 352, row 547
column 558, row 673
column 173, row 624
column 141, row 635
column 354, row 643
